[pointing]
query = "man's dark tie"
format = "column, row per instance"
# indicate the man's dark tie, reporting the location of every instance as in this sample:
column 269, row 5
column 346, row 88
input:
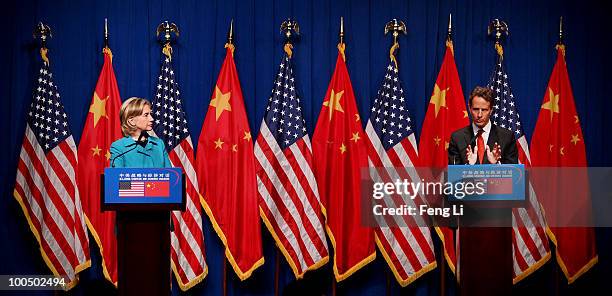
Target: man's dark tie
column 480, row 144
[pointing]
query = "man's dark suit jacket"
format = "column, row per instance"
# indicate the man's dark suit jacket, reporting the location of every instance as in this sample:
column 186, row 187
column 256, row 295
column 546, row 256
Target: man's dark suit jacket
column 485, row 253
column 460, row 139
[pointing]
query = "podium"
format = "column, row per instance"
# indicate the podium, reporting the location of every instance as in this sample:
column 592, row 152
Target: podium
column 485, row 229
column 143, row 199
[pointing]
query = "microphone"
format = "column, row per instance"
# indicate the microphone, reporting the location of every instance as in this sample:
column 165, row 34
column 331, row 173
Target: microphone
column 143, row 139
column 123, row 153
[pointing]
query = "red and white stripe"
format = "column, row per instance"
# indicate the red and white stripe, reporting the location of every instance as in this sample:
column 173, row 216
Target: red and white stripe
column 530, row 246
column 289, row 201
column 409, row 251
column 136, row 189
column 46, row 190
column 187, row 239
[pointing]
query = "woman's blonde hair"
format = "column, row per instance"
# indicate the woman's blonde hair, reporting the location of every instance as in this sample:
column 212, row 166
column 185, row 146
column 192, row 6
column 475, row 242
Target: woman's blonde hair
column 132, row 107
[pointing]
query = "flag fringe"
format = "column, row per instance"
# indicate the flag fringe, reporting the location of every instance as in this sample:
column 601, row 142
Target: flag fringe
column 77, row 269
column 354, row 268
column 94, row 233
column 531, row 268
column 193, row 282
column 570, row 278
column 403, row 282
column 451, row 264
column 243, row 275
column 290, row 261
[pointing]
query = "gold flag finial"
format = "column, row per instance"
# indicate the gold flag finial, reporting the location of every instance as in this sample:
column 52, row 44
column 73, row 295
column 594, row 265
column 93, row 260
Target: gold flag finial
column 106, row 49
column 341, row 29
column 560, row 45
column 169, row 32
column 43, row 32
column 449, row 37
column 105, row 32
column 561, row 30
column 450, row 25
column 396, row 27
column 230, row 38
column 498, row 29
column 291, row 30
column 341, row 45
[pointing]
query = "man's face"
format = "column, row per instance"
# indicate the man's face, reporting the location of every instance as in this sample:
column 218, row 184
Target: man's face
column 481, row 111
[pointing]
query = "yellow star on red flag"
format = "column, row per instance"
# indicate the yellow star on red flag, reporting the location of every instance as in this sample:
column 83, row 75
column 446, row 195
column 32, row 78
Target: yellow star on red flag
column 247, row 136
column 342, row 148
column 98, row 108
column 333, row 103
column 552, row 104
column 219, row 144
column 96, row 150
column 438, row 98
column 575, row 139
column 221, row 102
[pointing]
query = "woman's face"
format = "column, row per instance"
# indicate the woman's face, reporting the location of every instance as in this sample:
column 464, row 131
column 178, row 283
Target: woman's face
column 143, row 122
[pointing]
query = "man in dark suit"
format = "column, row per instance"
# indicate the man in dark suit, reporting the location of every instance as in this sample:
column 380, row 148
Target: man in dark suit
column 467, row 144
column 485, row 253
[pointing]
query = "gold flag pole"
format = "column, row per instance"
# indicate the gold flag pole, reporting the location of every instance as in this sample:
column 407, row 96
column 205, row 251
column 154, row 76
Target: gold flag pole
column 106, row 48
column 170, row 33
column 230, row 38
column 396, row 27
column 291, row 30
column 560, row 44
column 449, row 36
column 499, row 29
column 43, row 32
column 106, row 32
column 341, row 45
column 450, row 26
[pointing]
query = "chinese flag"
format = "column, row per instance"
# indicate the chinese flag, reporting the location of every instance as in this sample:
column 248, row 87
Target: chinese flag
column 558, row 142
column 446, row 113
column 157, row 189
column 340, row 153
column 225, row 165
column 102, row 127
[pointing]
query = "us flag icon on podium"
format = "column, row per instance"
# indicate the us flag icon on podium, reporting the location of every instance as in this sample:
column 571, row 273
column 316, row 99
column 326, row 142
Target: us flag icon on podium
column 145, row 189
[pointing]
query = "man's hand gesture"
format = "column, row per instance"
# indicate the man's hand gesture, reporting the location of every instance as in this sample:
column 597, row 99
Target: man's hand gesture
column 495, row 155
column 470, row 155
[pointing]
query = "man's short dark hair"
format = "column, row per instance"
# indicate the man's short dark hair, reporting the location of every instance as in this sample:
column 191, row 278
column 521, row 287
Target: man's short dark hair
column 483, row 92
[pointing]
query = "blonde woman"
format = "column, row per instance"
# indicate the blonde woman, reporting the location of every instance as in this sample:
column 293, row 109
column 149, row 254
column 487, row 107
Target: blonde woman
column 137, row 148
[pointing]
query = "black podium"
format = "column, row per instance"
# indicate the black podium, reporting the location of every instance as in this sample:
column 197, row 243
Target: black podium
column 143, row 204
column 485, row 229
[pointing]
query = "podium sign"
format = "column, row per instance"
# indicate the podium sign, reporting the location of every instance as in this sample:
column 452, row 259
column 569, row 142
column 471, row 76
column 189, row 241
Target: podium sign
column 490, row 183
column 143, row 189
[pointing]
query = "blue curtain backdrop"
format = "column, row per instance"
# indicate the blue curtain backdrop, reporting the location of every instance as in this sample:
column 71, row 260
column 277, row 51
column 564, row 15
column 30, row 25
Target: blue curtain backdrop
column 76, row 59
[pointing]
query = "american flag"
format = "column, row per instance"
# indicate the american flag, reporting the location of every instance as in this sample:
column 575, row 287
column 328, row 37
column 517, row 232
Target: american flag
column 129, row 188
column 288, row 194
column 187, row 239
column 46, row 183
column 530, row 244
column 393, row 150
